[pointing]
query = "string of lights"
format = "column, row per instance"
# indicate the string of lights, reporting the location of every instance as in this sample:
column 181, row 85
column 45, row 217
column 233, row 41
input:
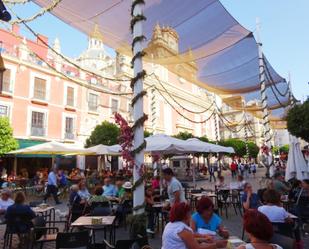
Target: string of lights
column 42, row 12
column 180, row 113
column 174, row 99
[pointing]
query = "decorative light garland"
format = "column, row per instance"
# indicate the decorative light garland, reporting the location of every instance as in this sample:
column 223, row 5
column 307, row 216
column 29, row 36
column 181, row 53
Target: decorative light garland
column 42, row 12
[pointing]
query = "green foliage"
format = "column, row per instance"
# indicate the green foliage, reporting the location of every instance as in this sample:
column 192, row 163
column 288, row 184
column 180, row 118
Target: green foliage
column 184, row 135
column 284, row 148
column 204, row 139
column 253, row 149
column 240, row 147
column 106, row 133
column 7, row 141
column 275, row 150
column 298, row 121
column 147, row 133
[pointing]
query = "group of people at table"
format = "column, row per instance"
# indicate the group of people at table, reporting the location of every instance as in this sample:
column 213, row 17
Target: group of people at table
column 202, row 229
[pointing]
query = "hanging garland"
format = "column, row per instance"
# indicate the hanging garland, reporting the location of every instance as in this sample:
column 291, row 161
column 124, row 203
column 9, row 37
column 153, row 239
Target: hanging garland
column 42, row 12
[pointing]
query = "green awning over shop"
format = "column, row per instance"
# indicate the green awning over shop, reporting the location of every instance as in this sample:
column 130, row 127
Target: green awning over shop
column 24, row 143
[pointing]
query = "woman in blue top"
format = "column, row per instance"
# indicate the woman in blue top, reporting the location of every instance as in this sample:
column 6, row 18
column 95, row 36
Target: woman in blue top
column 205, row 218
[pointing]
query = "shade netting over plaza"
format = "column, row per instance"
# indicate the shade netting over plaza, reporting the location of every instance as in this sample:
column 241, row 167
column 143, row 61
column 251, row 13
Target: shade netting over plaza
column 224, row 53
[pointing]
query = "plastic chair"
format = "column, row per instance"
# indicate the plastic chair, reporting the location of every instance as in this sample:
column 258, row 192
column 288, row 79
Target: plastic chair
column 72, row 240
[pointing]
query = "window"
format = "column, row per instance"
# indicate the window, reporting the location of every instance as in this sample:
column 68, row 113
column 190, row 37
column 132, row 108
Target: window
column 6, row 86
column 114, row 105
column 39, row 88
column 69, row 128
column 38, row 124
column 93, row 102
column 70, row 96
column 4, row 111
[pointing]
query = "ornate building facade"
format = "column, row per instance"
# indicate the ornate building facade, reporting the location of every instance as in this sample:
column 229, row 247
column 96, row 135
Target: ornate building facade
column 47, row 98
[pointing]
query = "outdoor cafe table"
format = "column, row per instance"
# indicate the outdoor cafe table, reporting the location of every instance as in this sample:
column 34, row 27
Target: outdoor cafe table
column 107, row 221
column 48, row 213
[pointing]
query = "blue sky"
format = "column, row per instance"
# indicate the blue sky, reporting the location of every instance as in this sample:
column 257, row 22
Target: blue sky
column 284, row 33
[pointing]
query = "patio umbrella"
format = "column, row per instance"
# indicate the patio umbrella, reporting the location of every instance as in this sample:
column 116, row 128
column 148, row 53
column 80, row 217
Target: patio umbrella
column 102, row 149
column 52, row 148
column 200, row 146
column 296, row 165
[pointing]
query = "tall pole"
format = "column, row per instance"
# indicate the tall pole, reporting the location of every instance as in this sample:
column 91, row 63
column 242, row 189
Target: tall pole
column 267, row 161
column 246, row 130
column 137, row 103
column 153, row 110
column 267, row 134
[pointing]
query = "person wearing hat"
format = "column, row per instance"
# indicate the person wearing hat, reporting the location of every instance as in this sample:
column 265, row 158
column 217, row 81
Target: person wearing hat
column 279, row 185
column 125, row 202
column 5, row 200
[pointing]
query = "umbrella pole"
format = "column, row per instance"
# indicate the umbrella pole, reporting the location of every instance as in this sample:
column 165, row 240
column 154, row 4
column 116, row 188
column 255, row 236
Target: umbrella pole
column 15, row 165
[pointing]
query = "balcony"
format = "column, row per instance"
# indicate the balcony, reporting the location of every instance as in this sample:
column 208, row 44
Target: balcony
column 37, row 131
column 69, row 135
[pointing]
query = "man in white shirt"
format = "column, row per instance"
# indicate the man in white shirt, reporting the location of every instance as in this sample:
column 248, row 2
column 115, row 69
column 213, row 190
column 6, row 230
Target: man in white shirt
column 52, row 185
column 175, row 190
column 5, row 201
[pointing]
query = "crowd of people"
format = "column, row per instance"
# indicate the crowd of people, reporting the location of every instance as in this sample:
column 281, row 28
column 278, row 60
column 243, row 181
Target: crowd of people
column 201, row 228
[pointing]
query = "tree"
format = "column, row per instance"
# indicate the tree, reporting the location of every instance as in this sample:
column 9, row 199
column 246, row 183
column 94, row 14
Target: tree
column 204, row 139
column 7, row 141
column 284, row 148
column 147, row 133
column 184, row 135
column 240, row 147
column 106, row 133
column 298, row 121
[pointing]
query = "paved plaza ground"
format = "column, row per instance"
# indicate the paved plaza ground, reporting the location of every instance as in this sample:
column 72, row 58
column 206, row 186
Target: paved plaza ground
column 233, row 223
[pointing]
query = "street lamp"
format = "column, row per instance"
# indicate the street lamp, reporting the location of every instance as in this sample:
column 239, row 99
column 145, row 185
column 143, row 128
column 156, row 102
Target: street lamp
column 4, row 14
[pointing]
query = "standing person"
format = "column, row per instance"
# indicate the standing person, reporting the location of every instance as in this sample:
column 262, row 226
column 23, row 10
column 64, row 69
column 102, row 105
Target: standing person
column 246, row 170
column 175, row 190
column 233, row 167
column 211, row 170
column 253, row 169
column 149, row 201
column 52, row 186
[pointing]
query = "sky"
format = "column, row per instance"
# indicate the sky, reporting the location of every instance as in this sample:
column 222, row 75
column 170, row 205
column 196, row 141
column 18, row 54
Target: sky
column 284, row 34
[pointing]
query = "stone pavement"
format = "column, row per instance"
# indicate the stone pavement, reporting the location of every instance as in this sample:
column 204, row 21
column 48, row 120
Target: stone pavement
column 233, row 223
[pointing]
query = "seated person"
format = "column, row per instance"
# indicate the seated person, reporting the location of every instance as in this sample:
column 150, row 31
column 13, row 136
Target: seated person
column 240, row 182
column 5, row 201
column 273, row 209
column 19, row 216
column 76, row 202
column 109, row 189
column 155, row 183
column 120, row 189
column 205, row 218
column 249, row 199
column 178, row 234
column 259, row 230
column 98, row 196
column 279, row 185
column 83, row 191
column 221, row 183
column 149, row 209
column 125, row 203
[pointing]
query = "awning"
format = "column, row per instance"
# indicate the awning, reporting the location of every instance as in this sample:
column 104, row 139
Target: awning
column 204, row 37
